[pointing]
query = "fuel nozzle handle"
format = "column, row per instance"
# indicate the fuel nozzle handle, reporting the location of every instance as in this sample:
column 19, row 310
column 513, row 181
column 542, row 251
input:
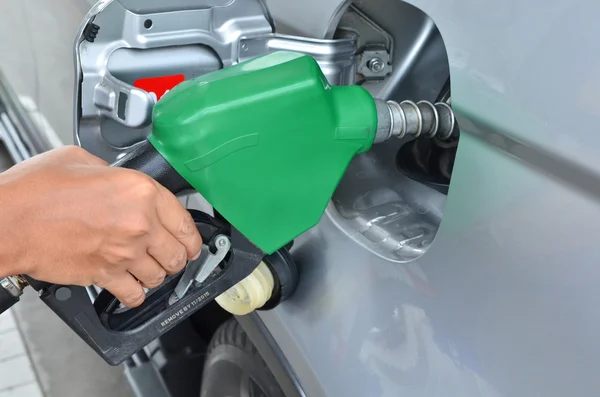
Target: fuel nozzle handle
column 145, row 158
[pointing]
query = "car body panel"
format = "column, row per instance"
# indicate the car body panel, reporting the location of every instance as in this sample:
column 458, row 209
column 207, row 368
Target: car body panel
column 503, row 303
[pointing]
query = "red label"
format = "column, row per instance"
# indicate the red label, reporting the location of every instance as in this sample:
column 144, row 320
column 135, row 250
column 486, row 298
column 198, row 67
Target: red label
column 159, row 86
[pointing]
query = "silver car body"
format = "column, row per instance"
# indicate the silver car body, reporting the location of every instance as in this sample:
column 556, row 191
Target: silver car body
column 500, row 299
column 502, row 304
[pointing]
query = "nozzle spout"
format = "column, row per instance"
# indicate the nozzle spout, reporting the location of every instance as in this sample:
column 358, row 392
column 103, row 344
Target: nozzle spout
column 421, row 119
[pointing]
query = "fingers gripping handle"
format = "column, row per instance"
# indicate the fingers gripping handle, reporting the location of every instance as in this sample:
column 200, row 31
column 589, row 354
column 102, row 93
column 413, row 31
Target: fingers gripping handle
column 145, row 158
column 115, row 336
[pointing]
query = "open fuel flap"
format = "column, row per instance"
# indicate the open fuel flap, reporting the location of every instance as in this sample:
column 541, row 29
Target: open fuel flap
column 129, row 53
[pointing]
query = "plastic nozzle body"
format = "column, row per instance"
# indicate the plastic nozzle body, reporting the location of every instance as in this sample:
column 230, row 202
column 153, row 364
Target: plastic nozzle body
column 266, row 142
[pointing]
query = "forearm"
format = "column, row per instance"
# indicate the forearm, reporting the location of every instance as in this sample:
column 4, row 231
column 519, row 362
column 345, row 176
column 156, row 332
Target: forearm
column 8, row 269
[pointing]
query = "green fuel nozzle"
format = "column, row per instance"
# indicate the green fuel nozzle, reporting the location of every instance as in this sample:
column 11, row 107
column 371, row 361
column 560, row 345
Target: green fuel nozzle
column 267, row 141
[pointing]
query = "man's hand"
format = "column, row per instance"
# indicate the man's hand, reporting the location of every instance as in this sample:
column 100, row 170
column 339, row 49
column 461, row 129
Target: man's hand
column 68, row 218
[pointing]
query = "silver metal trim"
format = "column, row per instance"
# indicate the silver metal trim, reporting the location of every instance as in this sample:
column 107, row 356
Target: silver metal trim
column 12, row 286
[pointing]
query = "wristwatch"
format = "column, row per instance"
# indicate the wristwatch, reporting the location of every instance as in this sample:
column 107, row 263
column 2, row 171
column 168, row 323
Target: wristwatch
column 11, row 289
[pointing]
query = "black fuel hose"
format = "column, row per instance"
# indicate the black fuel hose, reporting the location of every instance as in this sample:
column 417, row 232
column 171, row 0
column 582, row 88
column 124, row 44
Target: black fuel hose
column 145, row 158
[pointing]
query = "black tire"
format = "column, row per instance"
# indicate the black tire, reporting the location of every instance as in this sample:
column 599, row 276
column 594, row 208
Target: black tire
column 234, row 368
